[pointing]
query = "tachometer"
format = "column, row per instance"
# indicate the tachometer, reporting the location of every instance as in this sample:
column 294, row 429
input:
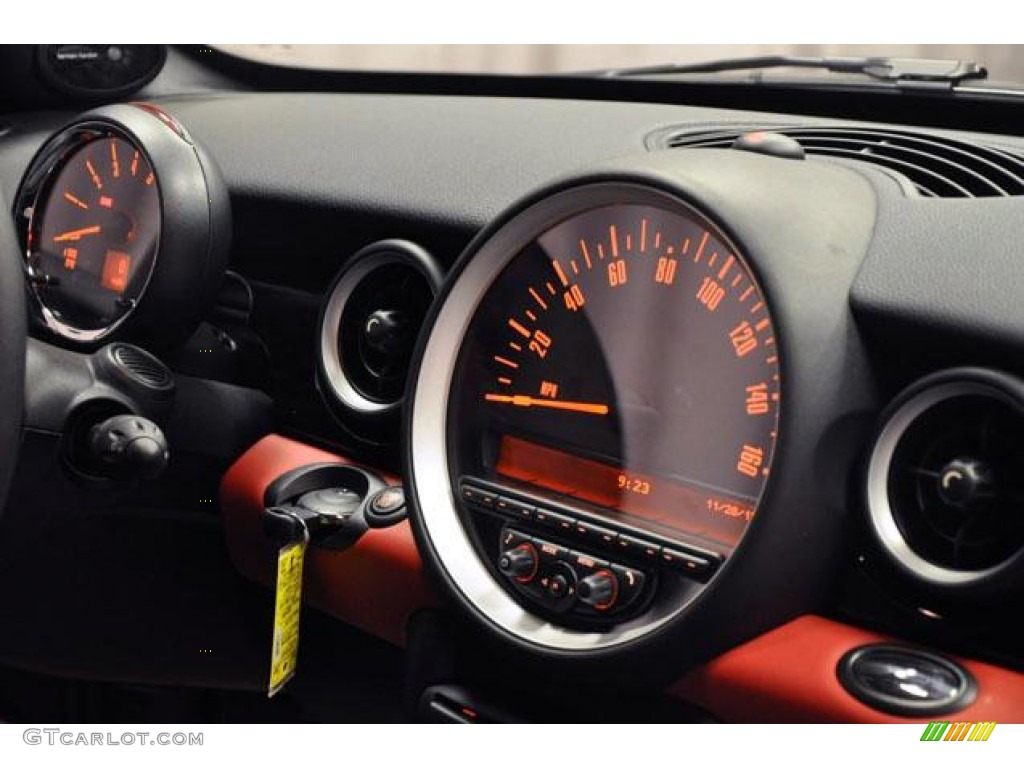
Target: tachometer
column 125, row 223
column 94, row 235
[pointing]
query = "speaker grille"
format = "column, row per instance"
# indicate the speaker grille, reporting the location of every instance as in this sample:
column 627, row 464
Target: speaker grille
column 142, row 366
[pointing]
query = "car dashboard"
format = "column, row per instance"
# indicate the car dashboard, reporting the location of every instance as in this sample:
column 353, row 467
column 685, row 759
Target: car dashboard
column 720, row 407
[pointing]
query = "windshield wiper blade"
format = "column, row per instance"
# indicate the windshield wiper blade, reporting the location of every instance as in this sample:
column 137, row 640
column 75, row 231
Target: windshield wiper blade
column 909, row 71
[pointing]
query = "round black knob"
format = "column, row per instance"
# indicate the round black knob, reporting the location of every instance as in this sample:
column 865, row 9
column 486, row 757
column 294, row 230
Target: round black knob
column 558, row 586
column 599, row 590
column 519, row 563
column 387, row 332
column 964, row 482
column 128, row 447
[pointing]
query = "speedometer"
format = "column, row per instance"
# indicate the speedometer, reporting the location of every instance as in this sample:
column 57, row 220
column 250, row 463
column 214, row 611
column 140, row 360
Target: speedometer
column 598, row 460
column 624, row 362
column 595, row 415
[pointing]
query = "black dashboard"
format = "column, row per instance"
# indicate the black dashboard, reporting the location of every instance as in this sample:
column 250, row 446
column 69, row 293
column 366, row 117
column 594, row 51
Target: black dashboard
column 657, row 378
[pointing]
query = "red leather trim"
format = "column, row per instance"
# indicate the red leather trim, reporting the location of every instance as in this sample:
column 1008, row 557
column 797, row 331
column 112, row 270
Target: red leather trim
column 789, row 676
column 375, row 585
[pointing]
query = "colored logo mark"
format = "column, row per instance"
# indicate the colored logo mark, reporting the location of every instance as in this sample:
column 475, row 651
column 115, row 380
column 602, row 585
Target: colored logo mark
column 943, row 731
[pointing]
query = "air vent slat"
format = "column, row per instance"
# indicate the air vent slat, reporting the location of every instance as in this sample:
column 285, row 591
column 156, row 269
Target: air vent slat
column 940, row 185
column 717, row 143
column 974, row 170
column 937, row 166
column 965, row 176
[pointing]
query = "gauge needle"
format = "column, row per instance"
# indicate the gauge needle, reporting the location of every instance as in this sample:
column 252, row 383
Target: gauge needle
column 77, row 234
column 525, row 401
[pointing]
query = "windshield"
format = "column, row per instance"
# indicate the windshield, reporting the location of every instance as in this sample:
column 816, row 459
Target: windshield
column 1005, row 63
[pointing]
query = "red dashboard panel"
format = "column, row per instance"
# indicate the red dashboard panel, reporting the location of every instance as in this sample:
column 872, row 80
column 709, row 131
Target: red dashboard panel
column 788, row 675
column 375, row 585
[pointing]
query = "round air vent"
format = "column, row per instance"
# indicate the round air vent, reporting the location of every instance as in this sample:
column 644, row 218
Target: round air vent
column 369, row 324
column 946, row 481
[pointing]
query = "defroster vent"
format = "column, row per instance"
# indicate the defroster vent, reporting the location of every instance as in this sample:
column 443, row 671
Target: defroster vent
column 936, row 165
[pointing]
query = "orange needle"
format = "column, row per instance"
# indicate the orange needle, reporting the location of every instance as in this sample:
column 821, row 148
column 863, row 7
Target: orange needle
column 77, row 234
column 525, row 401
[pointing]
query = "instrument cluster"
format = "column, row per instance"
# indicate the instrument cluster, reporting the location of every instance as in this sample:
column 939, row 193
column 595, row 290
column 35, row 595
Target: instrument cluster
column 121, row 214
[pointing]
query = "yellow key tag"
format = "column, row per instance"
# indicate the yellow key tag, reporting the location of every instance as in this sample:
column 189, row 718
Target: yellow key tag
column 287, row 606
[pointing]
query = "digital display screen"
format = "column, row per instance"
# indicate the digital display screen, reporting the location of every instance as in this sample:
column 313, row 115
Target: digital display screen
column 645, row 501
column 116, row 270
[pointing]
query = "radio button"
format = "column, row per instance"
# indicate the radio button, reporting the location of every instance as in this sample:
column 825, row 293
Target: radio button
column 641, row 548
column 514, row 507
column 551, row 519
column 685, row 562
column 595, row 534
column 478, row 496
column 584, row 563
column 551, row 552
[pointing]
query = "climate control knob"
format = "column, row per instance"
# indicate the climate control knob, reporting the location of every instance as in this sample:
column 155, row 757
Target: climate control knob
column 599, row 590
column 520, row 562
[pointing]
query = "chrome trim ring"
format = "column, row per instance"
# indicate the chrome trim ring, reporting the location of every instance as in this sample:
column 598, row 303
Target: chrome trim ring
column 45, row 168
column 880, row 512
column 429, row 458
column 364, row 262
